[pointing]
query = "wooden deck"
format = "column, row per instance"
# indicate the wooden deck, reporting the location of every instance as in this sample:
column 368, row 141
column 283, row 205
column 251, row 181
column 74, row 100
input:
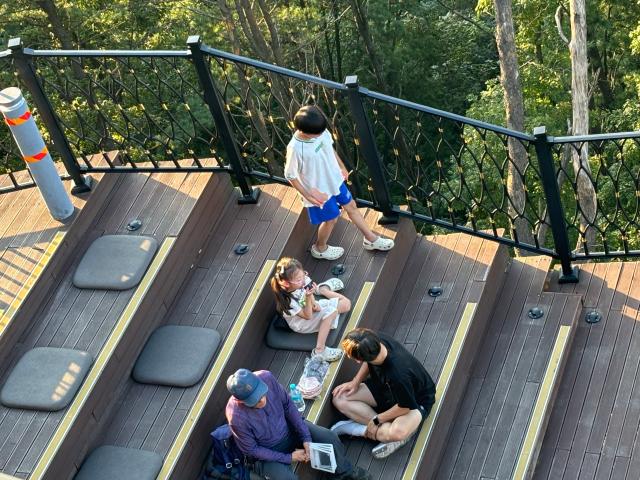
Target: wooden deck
column 488, row 433
column 149, row 416
column 82, row 319
column 426, row 325
column 593, row 430
column 26, row 229
column 594, row 423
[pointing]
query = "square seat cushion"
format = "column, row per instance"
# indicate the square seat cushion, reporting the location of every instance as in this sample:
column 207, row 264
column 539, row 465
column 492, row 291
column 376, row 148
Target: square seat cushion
column 176, row 356
column 111, row 463
column 45, row 378
column 115, row 262
column 282, row 338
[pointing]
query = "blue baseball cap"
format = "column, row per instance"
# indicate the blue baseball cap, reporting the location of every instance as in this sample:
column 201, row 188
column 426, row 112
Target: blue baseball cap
column 246, row 386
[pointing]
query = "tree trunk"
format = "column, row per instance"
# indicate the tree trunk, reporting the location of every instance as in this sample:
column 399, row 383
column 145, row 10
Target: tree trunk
column 62, row 32
column 580, row 124
column 514, row 106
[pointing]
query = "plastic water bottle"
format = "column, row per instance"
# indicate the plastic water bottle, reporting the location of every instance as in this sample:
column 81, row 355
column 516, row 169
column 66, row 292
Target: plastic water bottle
column 296, row 397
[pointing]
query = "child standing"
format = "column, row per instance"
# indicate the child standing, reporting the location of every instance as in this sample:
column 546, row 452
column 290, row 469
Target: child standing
column 295, row 301
column 315, row 170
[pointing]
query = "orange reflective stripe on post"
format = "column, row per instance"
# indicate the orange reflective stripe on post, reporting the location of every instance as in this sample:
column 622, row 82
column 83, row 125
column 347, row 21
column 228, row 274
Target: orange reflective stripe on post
column 37, row 157
column 12, row 122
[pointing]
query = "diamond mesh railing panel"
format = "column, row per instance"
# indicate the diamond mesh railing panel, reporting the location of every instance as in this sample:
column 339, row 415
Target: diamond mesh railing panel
column 462, row 176
column 600, row 188
column 149, row 108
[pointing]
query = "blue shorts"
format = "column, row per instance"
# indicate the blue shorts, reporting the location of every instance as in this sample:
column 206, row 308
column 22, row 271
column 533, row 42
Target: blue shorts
column 331, row 208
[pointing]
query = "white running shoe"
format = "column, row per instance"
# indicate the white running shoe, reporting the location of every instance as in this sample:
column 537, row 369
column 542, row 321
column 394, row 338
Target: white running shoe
column 331, row 253
column 380, row 243
column 328, row 354
column 383, row 450
column 349, row 427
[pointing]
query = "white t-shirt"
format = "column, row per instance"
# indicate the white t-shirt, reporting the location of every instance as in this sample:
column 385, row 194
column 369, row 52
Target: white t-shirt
column 313, row 163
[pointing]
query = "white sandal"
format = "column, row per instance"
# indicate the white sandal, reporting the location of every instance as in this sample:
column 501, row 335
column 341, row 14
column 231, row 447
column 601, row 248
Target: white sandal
column 331, row 253
column 333, row 284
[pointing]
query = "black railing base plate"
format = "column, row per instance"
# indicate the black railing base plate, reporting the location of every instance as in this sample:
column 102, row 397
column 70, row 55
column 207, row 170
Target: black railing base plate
column 248, row 199
column 80, row 189
column 573, row 277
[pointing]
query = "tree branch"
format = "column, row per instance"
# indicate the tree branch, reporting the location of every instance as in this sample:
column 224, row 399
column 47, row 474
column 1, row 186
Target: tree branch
column 560, row 11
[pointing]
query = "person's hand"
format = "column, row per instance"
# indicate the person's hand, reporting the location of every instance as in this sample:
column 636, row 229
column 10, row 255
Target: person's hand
column 299, row 455
column 307, row 449
column 372, row 430
column 318, row 198
column 311, row 290
column 345, row 174
column 346, row 389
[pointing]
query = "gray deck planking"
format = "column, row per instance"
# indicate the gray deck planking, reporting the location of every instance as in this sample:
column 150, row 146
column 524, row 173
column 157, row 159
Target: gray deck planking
column 593, row 428
column 26, row 228
column 486, row 437
column 76, row 318
column 423, row 323
column 150, row 416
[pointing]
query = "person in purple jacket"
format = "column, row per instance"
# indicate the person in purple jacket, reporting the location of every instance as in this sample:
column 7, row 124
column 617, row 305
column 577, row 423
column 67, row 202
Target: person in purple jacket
column 269, row 429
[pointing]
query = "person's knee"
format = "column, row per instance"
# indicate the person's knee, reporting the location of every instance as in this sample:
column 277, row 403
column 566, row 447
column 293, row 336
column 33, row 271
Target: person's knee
column 398, row 432
column 344, row 305
column 339, row 402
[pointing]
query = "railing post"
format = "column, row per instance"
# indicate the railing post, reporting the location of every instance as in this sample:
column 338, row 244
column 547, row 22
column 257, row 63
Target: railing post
column 27, row 74
column 554, row 206
column 216, row 107
column 370, row 152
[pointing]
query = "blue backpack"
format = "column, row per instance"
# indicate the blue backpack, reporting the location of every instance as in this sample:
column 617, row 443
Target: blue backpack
column 226, row 461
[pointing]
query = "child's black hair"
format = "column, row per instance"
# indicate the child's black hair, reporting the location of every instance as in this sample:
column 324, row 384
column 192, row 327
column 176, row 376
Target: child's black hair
column 310, row 120
column 285, row 269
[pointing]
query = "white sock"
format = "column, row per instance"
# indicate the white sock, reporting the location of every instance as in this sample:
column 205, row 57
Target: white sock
column 349, row 427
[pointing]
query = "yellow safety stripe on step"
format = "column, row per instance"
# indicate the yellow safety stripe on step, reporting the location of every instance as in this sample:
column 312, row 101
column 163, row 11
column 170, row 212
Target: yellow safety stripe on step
column 180, row 442
column 103, row 359
column 7, row 316
column 535, row 432
column 420, row 447
column 354, row 320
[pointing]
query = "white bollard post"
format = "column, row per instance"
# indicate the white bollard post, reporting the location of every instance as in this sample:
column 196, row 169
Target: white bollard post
column 34, row 152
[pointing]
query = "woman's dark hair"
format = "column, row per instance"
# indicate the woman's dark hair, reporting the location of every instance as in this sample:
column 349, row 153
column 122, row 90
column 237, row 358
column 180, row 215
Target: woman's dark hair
column 285, row 268
column 310, row 119
column 362, row 344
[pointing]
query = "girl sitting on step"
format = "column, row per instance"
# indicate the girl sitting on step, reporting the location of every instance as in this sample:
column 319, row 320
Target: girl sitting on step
column 295, row 301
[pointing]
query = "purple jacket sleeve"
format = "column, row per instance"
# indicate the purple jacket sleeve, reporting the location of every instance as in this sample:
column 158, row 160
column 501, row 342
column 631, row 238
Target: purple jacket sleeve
column 249, row 447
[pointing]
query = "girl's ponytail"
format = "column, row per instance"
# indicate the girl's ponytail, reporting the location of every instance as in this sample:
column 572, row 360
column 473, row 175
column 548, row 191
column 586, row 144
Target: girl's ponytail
column 284, row 270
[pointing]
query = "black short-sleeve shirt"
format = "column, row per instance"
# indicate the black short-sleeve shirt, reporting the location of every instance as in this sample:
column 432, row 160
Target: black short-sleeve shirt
column 401, row 377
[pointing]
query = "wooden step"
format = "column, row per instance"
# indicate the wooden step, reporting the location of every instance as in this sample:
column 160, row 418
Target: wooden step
column 156, row 417
column 488, row 432
column 110, row 325
column 547, row 393
column 248, row 350
column 470, row 271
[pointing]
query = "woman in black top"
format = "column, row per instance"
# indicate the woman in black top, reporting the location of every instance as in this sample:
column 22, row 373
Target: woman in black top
column 389, row 397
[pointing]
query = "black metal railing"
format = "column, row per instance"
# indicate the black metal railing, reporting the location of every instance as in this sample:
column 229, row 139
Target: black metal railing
column 204, row 109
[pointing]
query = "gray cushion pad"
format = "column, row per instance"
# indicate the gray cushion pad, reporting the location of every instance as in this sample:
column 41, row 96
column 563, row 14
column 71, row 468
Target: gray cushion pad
column 46, row 378
column 176, row 355
column 115, row 262
column 290, row 340
column 110, row 463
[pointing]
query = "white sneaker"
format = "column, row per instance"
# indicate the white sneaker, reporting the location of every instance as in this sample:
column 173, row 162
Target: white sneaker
column 349, row 427
column 331, row 253
column 380, row 243
column 383, row 450
column 328, row 354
